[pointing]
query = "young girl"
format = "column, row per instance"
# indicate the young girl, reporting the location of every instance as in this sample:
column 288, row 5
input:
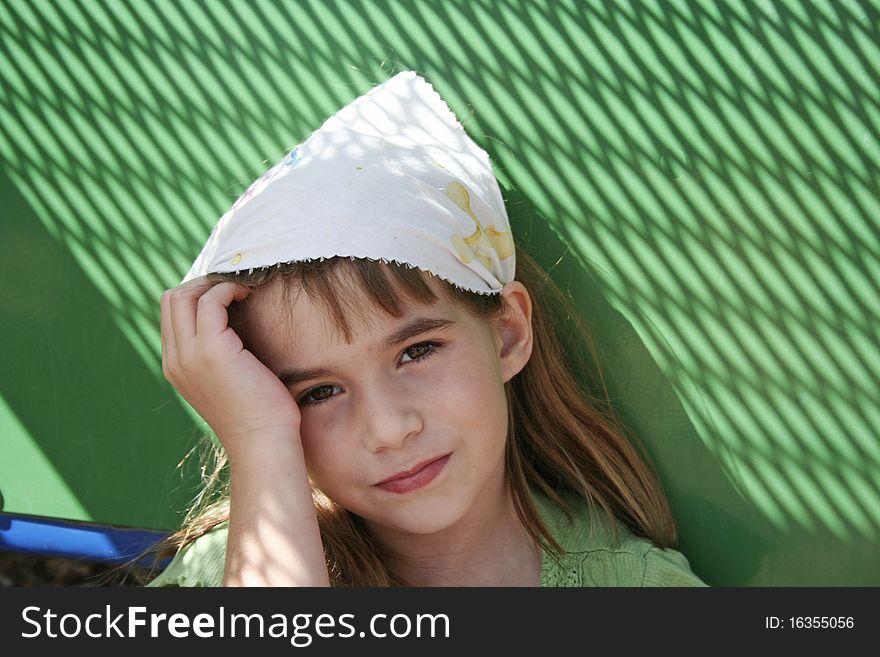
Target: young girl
column 394, row 408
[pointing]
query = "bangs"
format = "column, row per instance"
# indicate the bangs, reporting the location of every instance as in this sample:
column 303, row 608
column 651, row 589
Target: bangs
column 357, row 287
column 348, row 287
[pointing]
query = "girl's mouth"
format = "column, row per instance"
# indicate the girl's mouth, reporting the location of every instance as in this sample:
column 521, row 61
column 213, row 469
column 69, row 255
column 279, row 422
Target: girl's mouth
column 418, row 478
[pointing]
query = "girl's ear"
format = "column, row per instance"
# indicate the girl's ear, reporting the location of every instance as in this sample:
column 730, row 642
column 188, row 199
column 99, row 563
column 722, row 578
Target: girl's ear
column 513, row 330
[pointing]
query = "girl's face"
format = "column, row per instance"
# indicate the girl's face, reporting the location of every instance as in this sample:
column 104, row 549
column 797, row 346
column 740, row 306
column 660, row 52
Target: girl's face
column 404, row 393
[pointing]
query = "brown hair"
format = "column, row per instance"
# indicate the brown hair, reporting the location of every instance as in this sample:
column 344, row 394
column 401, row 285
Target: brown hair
column 562, row 436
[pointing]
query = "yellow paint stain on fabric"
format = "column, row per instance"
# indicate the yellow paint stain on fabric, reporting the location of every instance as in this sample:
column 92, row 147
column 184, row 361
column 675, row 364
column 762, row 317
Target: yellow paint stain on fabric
column 462, row 198
column 480, row 242
column 502, row 241
column 465, row 252
column 235, row 259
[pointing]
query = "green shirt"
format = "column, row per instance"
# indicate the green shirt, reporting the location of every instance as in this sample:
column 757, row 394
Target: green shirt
column 592, row 557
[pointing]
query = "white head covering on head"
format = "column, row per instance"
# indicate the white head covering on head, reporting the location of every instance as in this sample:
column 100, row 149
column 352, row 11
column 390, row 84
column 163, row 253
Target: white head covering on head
column 392, row 176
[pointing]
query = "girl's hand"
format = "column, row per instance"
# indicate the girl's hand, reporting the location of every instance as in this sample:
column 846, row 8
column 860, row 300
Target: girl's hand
column 236, row 394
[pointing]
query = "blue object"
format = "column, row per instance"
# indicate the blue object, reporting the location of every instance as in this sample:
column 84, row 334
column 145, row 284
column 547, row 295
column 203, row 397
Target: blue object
column 75, row 540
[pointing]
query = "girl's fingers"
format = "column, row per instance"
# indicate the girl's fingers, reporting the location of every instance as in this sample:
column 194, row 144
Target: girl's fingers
column 212, row 317
column 182, row 305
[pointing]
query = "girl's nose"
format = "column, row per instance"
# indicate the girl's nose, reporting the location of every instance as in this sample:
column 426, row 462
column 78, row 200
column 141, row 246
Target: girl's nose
column 390, row 416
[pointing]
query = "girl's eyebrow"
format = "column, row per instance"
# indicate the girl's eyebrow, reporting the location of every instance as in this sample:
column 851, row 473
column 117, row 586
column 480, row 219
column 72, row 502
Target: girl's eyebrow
column 293, row 375
column 416, row 327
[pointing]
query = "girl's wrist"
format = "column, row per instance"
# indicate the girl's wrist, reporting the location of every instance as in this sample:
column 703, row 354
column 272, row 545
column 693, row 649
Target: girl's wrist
column 264, row 447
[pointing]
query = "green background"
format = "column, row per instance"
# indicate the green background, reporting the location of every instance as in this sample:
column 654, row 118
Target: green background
column 701, row 176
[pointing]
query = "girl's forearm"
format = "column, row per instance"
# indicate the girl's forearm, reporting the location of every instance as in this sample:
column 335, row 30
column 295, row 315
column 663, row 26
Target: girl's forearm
column 273, row 537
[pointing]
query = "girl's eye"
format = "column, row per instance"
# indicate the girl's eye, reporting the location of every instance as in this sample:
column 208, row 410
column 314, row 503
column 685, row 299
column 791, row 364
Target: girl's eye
column 416, row 353
column 422, row 350
column 317, row 395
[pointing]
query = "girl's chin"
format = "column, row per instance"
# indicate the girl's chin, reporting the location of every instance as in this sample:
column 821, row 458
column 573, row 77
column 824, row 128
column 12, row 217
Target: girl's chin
column 422, row 521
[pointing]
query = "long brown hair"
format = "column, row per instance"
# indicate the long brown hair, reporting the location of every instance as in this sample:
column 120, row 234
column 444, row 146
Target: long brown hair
column 563, row 437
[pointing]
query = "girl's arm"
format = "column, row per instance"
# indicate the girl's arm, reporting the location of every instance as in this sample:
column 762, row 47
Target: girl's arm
column 273, row 537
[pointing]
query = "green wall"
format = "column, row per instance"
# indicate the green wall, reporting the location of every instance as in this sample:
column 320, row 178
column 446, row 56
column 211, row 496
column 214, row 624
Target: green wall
column 702, row 176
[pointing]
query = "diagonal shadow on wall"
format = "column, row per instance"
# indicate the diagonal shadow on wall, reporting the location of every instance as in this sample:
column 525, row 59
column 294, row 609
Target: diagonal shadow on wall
column 649, row 408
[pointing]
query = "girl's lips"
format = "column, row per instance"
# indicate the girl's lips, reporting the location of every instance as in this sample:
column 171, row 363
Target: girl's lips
column 416, row 480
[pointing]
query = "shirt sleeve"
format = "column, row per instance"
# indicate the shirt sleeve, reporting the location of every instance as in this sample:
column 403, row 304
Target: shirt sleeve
column 639, row 564
column 667, row 567
column 201, row 563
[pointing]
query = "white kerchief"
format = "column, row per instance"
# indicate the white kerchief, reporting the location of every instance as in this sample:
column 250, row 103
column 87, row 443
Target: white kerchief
column 390, row 176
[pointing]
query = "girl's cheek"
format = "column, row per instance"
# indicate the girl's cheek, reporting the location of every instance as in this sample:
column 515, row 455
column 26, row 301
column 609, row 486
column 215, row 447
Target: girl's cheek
column 325, row 460
column 324, row 418
column 319, row 442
